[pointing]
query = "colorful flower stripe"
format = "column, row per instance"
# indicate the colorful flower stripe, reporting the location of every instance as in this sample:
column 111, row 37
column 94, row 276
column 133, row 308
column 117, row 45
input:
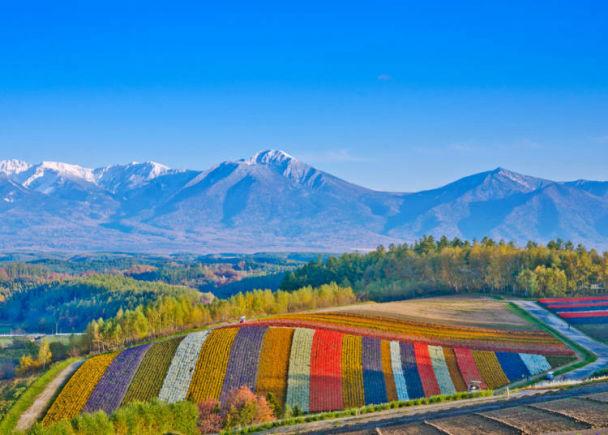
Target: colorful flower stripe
column 397, row 367
column 274, row 363
column 387, row 369
column 580, row 309
column 112, row 387
column 177, row 382
column 298, row 381
column 210, row 371
column 548, row 347
column 148, row 379
column 244, row 357
column 577, row 299
column 513, row 366
column 490, row 369
column 444, row 380
column 450, row 361
column 326, row 371
column 78, row 389
column 574, row 315
column 387, row 324
column 588, row 320
column 468, row 367
column 410, row 371
column 576, row 305
column 535, row 363
column 425, row 369
column 374, row 387
column 352, row 371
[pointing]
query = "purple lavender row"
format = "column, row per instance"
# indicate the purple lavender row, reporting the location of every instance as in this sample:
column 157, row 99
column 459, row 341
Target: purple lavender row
column 244, row 357
column 112, row 386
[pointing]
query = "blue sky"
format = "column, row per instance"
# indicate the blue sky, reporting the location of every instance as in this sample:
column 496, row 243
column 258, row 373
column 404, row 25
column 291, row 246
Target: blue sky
column 395, row 95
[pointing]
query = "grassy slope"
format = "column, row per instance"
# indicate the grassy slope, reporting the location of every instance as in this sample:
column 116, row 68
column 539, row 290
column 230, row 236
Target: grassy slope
column 8, row 423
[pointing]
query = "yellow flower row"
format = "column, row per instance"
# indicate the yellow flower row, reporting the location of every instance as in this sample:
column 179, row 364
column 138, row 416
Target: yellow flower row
column 76, row 392
column 274, row 363
column 490, row 369
column 210, row 371
column 352, row 371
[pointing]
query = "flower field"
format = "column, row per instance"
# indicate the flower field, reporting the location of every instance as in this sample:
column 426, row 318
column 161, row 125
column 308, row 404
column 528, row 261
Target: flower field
column 313, row 369
column 581, row 310
column 588, row 314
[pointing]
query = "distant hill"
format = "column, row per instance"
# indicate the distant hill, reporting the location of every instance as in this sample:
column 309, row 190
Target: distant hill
column 274, row 202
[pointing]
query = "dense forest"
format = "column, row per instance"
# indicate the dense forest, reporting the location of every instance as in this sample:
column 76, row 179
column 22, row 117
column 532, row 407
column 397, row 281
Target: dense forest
column 47, row 294
column 455, row 266
column 67, row 305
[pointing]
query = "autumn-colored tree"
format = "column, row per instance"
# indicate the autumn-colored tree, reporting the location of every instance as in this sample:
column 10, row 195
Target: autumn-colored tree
column 210, row 417
column 244, row 408
column 241, row 408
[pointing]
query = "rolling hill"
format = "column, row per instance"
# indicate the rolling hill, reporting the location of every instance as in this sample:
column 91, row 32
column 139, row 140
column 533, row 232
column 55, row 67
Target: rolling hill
column 314, row 362
column 274, row 202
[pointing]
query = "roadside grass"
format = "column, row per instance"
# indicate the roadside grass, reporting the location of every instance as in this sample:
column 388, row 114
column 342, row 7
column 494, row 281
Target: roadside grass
column 585, row 355
column 8, row 423
column 351, row 412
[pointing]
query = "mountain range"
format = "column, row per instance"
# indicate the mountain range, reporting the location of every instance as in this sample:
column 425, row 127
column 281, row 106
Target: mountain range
column 274, row 202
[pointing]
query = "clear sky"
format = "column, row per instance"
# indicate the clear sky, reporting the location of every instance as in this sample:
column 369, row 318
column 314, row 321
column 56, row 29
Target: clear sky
column 397, row 95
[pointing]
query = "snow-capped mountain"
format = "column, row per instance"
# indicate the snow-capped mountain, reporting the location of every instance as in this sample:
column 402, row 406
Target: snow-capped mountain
column 272, row 201
column 119, row 178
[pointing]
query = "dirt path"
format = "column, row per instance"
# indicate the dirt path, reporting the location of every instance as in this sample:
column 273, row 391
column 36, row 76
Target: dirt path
column 34, row 412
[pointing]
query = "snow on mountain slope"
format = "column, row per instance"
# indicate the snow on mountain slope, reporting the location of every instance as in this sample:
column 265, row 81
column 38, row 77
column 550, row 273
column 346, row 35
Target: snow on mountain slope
column 13, row 167
column 119, row 178
column 273, row 201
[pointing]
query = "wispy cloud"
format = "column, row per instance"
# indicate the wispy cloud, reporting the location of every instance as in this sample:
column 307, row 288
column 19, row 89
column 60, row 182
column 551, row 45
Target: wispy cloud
column 384, row 77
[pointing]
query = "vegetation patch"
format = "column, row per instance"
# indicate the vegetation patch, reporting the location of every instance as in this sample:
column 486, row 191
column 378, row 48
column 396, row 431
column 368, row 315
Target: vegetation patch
column 18, row 395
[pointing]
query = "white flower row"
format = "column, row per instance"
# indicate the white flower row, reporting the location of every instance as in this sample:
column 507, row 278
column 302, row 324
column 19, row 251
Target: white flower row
column 442, row 373
column 398, row 371
column 535, row 363
column 178, row 378
column 298, row 379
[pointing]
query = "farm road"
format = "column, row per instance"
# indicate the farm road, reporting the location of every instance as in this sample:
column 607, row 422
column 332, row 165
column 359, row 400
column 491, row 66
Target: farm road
column 390, row 419
column 561, row 326
column 34, row 412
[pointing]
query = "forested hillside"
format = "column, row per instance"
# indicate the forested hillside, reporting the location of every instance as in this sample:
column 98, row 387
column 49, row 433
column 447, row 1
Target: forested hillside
column 67, row 305
column 44, row 293
column 454, row 266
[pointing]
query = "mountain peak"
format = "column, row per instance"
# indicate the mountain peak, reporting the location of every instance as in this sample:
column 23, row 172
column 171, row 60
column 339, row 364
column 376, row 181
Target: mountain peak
column 271, row 157
column 525, row 181
column 13, row 167
column 135, row 174
column 64, row 170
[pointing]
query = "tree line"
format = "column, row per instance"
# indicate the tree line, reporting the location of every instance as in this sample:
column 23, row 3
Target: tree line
column 171, row 314
column 431, row 266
